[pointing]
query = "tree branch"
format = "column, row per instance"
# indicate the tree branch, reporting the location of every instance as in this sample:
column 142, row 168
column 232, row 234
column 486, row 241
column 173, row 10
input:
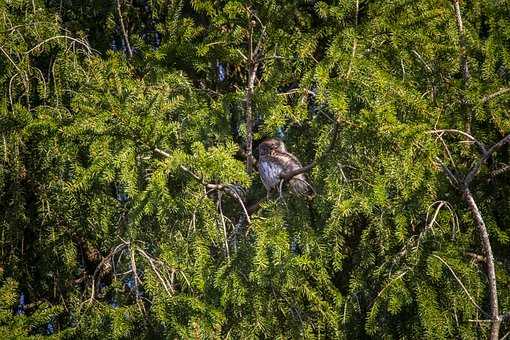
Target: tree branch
column 476, row 167
column 491, row 272
column 500, row 171
column 501, row 91
column 252, row 73
column 123, row 28
column 463, row 186
column 461, row 284
column 462, row 41
column 286, row 176
column 58, row 37
column 465, row 134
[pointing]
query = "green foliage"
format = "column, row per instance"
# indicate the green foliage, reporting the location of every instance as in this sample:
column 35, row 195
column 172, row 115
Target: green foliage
column 112, row 224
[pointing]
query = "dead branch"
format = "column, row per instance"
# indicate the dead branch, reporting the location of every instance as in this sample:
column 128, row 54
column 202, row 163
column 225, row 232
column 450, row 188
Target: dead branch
column 451, row 177
column 476, row 167
column 89, row 50
column 98, row 269
column 501, row 91
column 461, row 284
column 223, row 224
column 123, row 28
column 465, row 134
column 475, row 257
column 168, row 287
column 500, row 171
column 252, row 73
column 462, row 40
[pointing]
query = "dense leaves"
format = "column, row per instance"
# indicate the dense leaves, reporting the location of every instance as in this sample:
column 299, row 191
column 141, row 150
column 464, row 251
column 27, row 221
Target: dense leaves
column 126, row 207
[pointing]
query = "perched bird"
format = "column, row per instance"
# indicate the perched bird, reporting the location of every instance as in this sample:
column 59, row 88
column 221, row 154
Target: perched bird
column 274, row 159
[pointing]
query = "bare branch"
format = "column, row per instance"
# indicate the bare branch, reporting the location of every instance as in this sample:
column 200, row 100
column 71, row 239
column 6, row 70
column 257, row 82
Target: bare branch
column 422, row 60
column 476, row 167
column 136, row 278
column 501, row 91
column 252, row 73
column 462, row 40
column 162, row 153
column 476, row 257
column 224, row 225
column 123, row 28
column 491, row 272
column 241, row 203
column 103, row 262
column 465, row 134
column 59, row 37
column 500, row 171
column 461, row 284
column 451, row 177
column 12, row 61
column 168, row 287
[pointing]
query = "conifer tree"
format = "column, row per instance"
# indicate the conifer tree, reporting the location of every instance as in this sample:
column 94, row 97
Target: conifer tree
column 130, row 199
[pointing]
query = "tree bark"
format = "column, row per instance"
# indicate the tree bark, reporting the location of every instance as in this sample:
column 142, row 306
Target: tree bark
column 491, row 272
column 252, row 73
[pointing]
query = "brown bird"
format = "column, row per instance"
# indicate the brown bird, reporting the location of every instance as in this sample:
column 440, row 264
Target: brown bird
column 274, row 159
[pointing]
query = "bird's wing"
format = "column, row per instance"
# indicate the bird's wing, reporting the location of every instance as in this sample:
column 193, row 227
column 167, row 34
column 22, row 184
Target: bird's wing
column 288, row 160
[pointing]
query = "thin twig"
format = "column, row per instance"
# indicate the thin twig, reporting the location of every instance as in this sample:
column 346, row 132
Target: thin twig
column 355, row 43
column 462, row 41
column 465, row 134
column 241, row 203
column 422, row 60
column 59, row 37
column 12, row 61
column 461, row 284
column 476, row 167
column 123, row 28
column 501, row 91
column 168, row 288
column 224, row 225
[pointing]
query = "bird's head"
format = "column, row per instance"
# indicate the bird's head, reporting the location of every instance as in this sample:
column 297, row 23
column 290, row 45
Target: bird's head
column 270, row 145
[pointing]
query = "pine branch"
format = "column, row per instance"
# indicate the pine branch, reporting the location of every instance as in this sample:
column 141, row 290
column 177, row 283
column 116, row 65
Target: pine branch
column 227, row 188
column 286, row 176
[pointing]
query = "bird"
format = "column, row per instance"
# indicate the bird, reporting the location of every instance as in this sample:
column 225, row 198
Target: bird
column 274, row 160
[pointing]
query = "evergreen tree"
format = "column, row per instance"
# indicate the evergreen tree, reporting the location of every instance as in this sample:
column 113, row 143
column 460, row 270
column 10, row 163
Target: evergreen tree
column 130, row 199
